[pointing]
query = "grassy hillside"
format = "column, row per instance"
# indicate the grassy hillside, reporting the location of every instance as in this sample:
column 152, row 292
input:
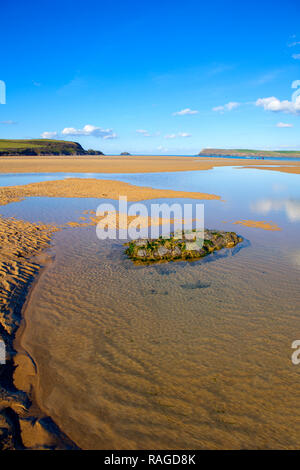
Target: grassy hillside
column 42, row 147
column 249, row 153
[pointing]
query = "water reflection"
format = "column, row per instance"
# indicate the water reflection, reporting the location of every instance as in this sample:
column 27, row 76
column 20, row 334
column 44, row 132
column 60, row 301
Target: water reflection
column 291, row 207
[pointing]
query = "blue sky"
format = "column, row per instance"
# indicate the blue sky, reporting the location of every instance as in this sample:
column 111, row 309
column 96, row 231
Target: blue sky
column 152, row 77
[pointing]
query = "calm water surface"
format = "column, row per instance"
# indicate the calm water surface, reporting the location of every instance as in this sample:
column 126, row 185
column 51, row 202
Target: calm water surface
column 176, row 355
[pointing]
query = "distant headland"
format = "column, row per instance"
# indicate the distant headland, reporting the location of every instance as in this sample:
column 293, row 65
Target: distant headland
column 248, row 153
column 42, row 147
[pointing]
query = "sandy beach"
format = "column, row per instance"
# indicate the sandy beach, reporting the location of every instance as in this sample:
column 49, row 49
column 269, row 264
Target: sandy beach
column 124, row 164
column 22, row 240
column 108, row 189
column 21, row 423
column 258, row 224
column 286, row 168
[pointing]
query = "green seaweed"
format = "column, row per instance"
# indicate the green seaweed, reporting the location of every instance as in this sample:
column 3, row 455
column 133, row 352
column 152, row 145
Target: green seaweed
column 148, row 251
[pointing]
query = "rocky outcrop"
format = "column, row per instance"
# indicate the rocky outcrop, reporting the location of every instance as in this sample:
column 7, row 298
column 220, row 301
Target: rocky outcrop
column 168, row 249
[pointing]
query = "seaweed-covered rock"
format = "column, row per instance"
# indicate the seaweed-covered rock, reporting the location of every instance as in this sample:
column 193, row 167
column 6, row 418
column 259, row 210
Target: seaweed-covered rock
column 168, row 249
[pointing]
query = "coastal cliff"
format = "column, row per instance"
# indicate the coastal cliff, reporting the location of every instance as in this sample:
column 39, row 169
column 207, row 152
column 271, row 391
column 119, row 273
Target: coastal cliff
column 42, row 147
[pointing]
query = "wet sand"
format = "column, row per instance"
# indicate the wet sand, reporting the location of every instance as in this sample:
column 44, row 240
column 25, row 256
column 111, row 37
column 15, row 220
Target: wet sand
column 258, row 224
column 188, row 355
column 124, row 164
column 22, row 424
column 20, row 241
column 21, row 260
column 282, row 169
column 107, row 189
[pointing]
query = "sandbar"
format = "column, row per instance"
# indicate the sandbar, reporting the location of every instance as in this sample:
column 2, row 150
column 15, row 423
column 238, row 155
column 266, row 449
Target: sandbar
column 90, row 187
column 121, row 164
column 259, row 224
column 282, row 169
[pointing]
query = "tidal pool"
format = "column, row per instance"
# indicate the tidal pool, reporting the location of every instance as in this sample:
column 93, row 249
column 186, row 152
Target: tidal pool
column 177, row 355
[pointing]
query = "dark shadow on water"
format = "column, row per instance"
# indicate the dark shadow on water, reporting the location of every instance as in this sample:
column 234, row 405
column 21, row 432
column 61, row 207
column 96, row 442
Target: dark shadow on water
column 224, row 253
column 195, row 285
column 164, row 271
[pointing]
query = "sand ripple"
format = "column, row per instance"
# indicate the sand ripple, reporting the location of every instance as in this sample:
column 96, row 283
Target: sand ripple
column 131, row 357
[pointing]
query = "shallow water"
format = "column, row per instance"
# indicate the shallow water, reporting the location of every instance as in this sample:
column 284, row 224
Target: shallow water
column 176, row 355
column 248, row 193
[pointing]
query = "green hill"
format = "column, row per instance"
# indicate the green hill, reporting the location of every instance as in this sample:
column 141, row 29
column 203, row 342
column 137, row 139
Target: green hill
column 43, row 147
column 248, row 153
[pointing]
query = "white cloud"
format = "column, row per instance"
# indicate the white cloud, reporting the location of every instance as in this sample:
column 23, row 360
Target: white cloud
column 143, row 132
column 184, row 112
column 218, row 109
column 293, row 44
column 89, row 130
column 8, row 123
column 48, row 135
column 170, row 136
column 180, row 134
column 184, row 134
column 274, row 104
column 284, row 124
column 232, row 105
column 227, row 107
column 296, row 56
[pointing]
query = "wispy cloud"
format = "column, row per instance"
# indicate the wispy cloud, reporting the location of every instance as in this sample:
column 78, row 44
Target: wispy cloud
column 73, row 87
column 89, row 130
column 293, row 44
column 8, row 123
column 180, row 134
column 275, row 105
column 143, row 132
column 217, row 69
column 49, row 135
column 296, row 56
column 266, row 78
column 226, row 107
column 184, row 112
column 146, row 133
column 184, row 134
column 162, row 149
column 170, row 136
column 284, row 124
